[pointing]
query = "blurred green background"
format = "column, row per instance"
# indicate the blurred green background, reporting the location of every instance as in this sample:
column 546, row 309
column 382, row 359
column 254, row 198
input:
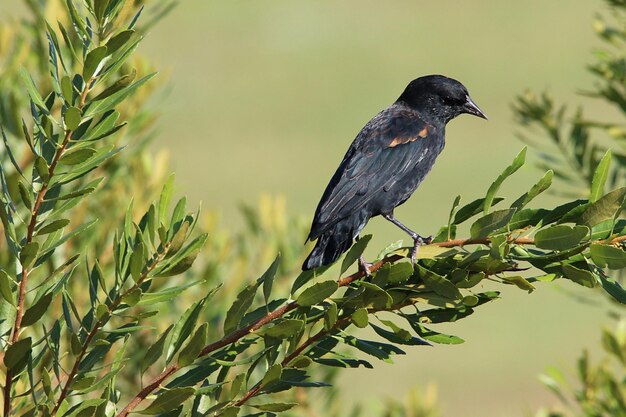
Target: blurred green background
column 265, row 97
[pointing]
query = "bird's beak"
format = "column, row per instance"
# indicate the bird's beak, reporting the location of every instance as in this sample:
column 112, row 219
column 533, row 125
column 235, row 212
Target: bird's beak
column 471, row 108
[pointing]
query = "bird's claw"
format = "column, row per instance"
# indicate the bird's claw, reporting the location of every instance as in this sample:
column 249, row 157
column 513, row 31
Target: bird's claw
column 417, row 242
column 365, row 267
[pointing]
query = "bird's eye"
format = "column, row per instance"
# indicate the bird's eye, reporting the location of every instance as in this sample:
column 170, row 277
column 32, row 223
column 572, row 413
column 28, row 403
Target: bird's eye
column 451, row 100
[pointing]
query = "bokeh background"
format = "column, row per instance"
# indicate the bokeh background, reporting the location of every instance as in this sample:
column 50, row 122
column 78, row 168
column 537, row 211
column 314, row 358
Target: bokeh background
column 265, row 96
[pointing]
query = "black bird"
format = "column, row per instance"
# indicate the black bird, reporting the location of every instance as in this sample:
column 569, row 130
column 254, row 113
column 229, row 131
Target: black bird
column 385, row 164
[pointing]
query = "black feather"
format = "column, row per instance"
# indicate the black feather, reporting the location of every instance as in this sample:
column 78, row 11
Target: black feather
column 385, row 163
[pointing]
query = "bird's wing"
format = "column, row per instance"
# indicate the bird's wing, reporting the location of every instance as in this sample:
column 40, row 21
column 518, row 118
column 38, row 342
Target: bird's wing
column 385, row 150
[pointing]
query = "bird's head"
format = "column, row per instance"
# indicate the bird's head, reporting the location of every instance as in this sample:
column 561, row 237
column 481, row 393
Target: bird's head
column 440, row 98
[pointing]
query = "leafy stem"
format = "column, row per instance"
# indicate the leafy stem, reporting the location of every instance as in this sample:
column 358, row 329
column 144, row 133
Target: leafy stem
column 282, row 311
column 30, row 231
column 158, row 257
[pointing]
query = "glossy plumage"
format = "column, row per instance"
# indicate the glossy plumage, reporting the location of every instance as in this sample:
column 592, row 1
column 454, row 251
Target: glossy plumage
column 385, row 164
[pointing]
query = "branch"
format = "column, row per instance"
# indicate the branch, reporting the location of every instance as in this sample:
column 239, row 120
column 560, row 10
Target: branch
column 281, row 311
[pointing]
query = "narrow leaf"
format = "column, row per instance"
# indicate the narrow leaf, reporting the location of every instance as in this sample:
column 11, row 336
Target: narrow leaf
column 600, row 177
column 168, row 400
column 317, row 293
column 508, row 171
column 238, row 309
column 190, row 352
column 491, row 222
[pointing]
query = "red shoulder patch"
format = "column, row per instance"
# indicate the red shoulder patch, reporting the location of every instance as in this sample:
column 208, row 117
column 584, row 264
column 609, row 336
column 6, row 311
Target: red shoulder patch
column 406, row 139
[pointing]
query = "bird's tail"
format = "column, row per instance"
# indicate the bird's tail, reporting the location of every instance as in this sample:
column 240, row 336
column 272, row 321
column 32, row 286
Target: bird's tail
column 329, row 246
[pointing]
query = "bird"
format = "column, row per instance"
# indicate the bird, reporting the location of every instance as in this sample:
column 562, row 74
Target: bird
column 384, row 165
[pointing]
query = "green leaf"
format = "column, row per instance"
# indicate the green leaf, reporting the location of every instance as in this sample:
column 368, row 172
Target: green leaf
column 168, row 400
column 613, row 288
column 344, row 362
column 67, row 90
column 41, row 166
column 137, row 262
column 373, row 296
column 118, row 85
column 435, row 337
column 560, row 237
column 83, row 383
column 389, row 249
column 238, row 309
column 117, row 41
column 230, row 411
column 190, row 352
column 520, row 282
column 32, row 91
column 132, row 298
column 155, row 351
column 440, row 285
column 455, row 204
column 71, row 118
column 543, row 184
column 600, row 177
column 28, row 254
column 77, row 21
column 397, row 335
column 185, row 258
column 5, row 288
column 607, row 207
column 103, row 128
column 331, row 315
column 165, row 198
column 17, row 352
column 77, row 157
column 284, row 329
column 183, row 328
column 26, row 195
column 360, row 318
column 53, row 226
column 108, row 103
column 300, row 362
column 67, row 237
column 508, row 171
column 168, row 294
column 272, row 375
column 268, row 278
column 608, row 256
column 274, row 407
column 37, row 310
column 393, row 274
column 471, row 209
column 492, row 221
column 382, row 351
column 579, row 276
column 77, row 193
column 317, row 293
column 355, row 252
column 94, row 62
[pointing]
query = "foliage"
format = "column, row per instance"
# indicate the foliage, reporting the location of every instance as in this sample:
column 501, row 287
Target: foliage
column 601, row 388
column 570, row 143
column 87, row 270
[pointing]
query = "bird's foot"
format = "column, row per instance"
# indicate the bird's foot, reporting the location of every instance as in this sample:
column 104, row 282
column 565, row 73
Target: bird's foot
column 417, row 242
column 365, row 267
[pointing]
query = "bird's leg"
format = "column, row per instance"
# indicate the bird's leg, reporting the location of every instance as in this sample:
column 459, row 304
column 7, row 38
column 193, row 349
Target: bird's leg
column 417, row 239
